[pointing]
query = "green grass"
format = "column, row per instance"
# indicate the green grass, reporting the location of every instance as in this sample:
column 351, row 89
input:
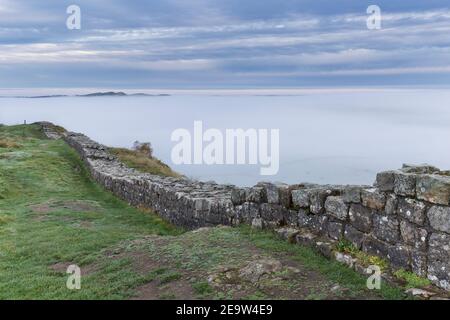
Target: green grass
column 200, row 253
column 163, row 275
column 256, row 296
column 202, row 288
column 49, row 172
column 412, row 280
column 169, row 277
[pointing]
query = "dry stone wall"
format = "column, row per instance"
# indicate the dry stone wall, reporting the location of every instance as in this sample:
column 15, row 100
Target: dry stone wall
column 404, row 217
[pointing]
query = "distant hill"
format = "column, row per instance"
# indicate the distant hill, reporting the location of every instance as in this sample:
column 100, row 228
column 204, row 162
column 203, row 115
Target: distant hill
column 104, row 94
column 97, row 94
column 149, row 95
column 43, row 97
column 121, row 94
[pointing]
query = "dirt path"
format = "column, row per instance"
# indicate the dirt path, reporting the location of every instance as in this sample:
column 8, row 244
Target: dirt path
column 222, row 263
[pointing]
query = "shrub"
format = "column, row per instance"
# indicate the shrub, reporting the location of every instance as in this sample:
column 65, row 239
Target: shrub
column 144, row 148
column 8, row 143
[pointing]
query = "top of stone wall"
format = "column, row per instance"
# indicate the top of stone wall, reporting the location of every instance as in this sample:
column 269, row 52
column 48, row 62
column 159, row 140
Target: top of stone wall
column 99, row 157
column 423, row 182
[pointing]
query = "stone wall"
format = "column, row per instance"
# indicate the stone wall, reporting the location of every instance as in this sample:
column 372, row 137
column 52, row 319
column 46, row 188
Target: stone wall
column 404, row 217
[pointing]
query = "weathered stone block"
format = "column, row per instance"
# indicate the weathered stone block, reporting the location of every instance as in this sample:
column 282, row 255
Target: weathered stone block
column 318, row 197
column 346, row 259
column 291, row 217
column 439, row 273
column 300, row 198
column 318, row 224
column 386, row 228
column 405, row 184
column 317, row 201
column 399, row 257
column 385, row 181
column 361, row 217
column 325, row 248
column 270, row 191
column 305, row 238
column 256, row 195
column 271, row 224
column 304, row 219
column 373, row 199
column 247, row 212
column 353, row 235
column 352, row 194
column 439, row 218
column 258, row 224
column 439, row 260
column 375, row 246
column 285, row 195
column 238, row 196
column 274, row 192
column 288, row 234
column 273, row 213
column 419, row 263
column 419, row 168
column 439, row 247
column 391, row 204
column 412, row 210
column 202, row 204
column 413, row 236
column 434, row 188
column 335, row 230
column 336, row 207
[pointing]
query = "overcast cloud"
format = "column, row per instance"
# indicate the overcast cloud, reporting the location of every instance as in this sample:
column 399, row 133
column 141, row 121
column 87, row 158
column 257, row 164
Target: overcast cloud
column 223, row 44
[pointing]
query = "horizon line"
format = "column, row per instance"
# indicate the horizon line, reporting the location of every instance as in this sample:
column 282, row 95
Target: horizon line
column 12, row 92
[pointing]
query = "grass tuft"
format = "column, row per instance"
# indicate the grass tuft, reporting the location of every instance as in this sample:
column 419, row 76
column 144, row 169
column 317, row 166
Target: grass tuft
column 4, row 219
column 140, row 161
column 8, row 143
column 202, row 288
column 169, row 277
column 365, row 259
column 412, row 280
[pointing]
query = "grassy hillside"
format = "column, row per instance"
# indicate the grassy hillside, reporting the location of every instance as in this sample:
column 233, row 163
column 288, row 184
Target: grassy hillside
column 52, row 215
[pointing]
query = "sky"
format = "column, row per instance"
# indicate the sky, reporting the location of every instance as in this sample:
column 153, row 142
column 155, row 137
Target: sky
column 237, row 44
